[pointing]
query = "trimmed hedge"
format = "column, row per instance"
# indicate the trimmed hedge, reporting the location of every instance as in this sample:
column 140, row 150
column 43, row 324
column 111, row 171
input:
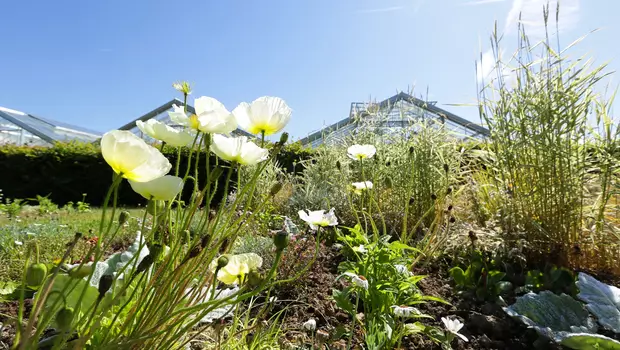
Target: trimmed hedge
column 67, row 170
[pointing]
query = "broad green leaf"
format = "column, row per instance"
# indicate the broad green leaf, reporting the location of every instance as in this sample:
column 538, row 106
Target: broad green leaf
column 601, row 299
column 585, row 341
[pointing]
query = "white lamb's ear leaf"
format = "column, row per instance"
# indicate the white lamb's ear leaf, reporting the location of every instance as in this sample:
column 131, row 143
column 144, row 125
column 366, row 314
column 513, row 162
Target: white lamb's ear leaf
column 601, row 299
column 586, row 341
column 552, row 316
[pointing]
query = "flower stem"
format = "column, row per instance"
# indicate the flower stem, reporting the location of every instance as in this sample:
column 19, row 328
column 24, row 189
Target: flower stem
column 354, row 315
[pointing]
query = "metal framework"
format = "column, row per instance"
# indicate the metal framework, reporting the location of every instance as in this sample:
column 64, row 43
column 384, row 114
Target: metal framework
column 393, row 115
column 20, row 128
column 161, row 114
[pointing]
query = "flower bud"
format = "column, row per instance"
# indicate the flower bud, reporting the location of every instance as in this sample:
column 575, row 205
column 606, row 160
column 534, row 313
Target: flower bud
column 446, row 168
column 433, row 196
column 64, row 318
column 35, row 275
column 411, row 150
column 283, row 138
column 222, row 261
column 155, row 251
column 338, row 165
column 280, row 240
column 123, row 217
column 275, row 189
column 105, row 283
column 388, row 182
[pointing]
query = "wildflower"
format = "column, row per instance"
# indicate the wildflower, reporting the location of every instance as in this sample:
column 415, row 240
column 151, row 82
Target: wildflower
column 165, row 133
column 164, row 188
column 238, row 266
column 360, row 249
column 402, row 269
column 318, row 218
column 359, row 152
column 19, row 243
column 358, row 280
column 183, row 87
column 404, row 310
column 266, row 115
column 130, row 157
column 453, row 326
column 238, row 149
column 211, row 116
column 310, row 325
column 359, row 187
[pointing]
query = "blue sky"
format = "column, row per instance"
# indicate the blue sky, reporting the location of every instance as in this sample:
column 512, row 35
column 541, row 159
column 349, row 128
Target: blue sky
column 100, row 64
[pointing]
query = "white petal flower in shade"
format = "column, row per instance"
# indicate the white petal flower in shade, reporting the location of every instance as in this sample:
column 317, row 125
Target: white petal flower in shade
column 18, row 243
column 358, row 280
column 404, row 311
column 238, row 266
column 402, row 269
column 132, row 158
column 318, row 218
column 453, row 326
column 360, row 249
column 359, row 152
column 266, row 114
column 309, row 325
column 161, row 131
column 359, row 187
column 238, row 149
column 163, row 188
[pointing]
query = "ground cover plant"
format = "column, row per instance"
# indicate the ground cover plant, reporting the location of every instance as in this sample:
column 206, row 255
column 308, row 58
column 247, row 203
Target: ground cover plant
column 411, row 239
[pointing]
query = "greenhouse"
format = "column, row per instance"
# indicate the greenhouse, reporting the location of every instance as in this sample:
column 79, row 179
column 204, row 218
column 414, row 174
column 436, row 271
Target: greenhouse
column 21, row 128
column 393, row 116
column 161, row 114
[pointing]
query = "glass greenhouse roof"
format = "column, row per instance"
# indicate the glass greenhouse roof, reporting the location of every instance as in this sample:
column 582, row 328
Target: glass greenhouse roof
column 395, row 115
column 25, row 129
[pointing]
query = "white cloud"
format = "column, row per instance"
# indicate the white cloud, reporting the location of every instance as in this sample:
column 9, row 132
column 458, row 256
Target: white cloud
column 488, row 66
column 485, row 66
column 481, row 2
column 383, row 9
column 531, row 12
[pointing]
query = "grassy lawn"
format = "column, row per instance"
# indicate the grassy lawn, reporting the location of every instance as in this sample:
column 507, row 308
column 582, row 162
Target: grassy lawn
column 52, row 232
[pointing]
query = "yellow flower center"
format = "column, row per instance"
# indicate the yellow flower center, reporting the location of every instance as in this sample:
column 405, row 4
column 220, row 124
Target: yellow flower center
column 193, row 122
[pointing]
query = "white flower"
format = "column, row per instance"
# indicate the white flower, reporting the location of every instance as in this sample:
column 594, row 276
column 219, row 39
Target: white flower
column 266, row 114
column 310, row 325
column 318, row 218
column 19, row 243
column 402, row 269
column 338, row 246
column 182, row 86
column 453, row 326
column 238, row 266
column 211, row 116
column 163, row 188
column 30, row 234
column 165, row 133
column 238, row 149
column 358, row 187
column 359, row 152
column 360, row 249
column 357, row 280
column 404, row 310
column 132, row 158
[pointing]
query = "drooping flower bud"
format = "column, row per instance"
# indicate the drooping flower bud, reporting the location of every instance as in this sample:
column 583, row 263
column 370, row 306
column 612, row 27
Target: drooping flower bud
column 280, row 240
column 283, row 138
column 123, row 217
column 105, row 283
column 35, row 275
column 338, row 165
column 145, row 263
column 222, row 261
column 446, row 168
column 254, row 278
column 155, row 251
column 411, row 150
column 155, row 207
column 64, row 318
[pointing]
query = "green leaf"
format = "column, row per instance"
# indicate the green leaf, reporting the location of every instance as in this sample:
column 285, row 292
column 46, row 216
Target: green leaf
column 585, row 341
column 494, row 277
column 459, row 276
column 343, row 300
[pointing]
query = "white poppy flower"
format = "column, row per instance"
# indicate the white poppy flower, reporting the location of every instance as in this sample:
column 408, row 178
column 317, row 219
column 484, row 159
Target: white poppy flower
column 359, row 152
column 404, row 310
column 163, row 188
column 453, row 326
column 165, row 133
column 132, row 158
column 318, row 218
column 238, row 149
column 359, row 187
column 238, row 266
column 310, row 325
column 357, row 280
column 18, row 243
column 266, row 114
column 211, row 116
